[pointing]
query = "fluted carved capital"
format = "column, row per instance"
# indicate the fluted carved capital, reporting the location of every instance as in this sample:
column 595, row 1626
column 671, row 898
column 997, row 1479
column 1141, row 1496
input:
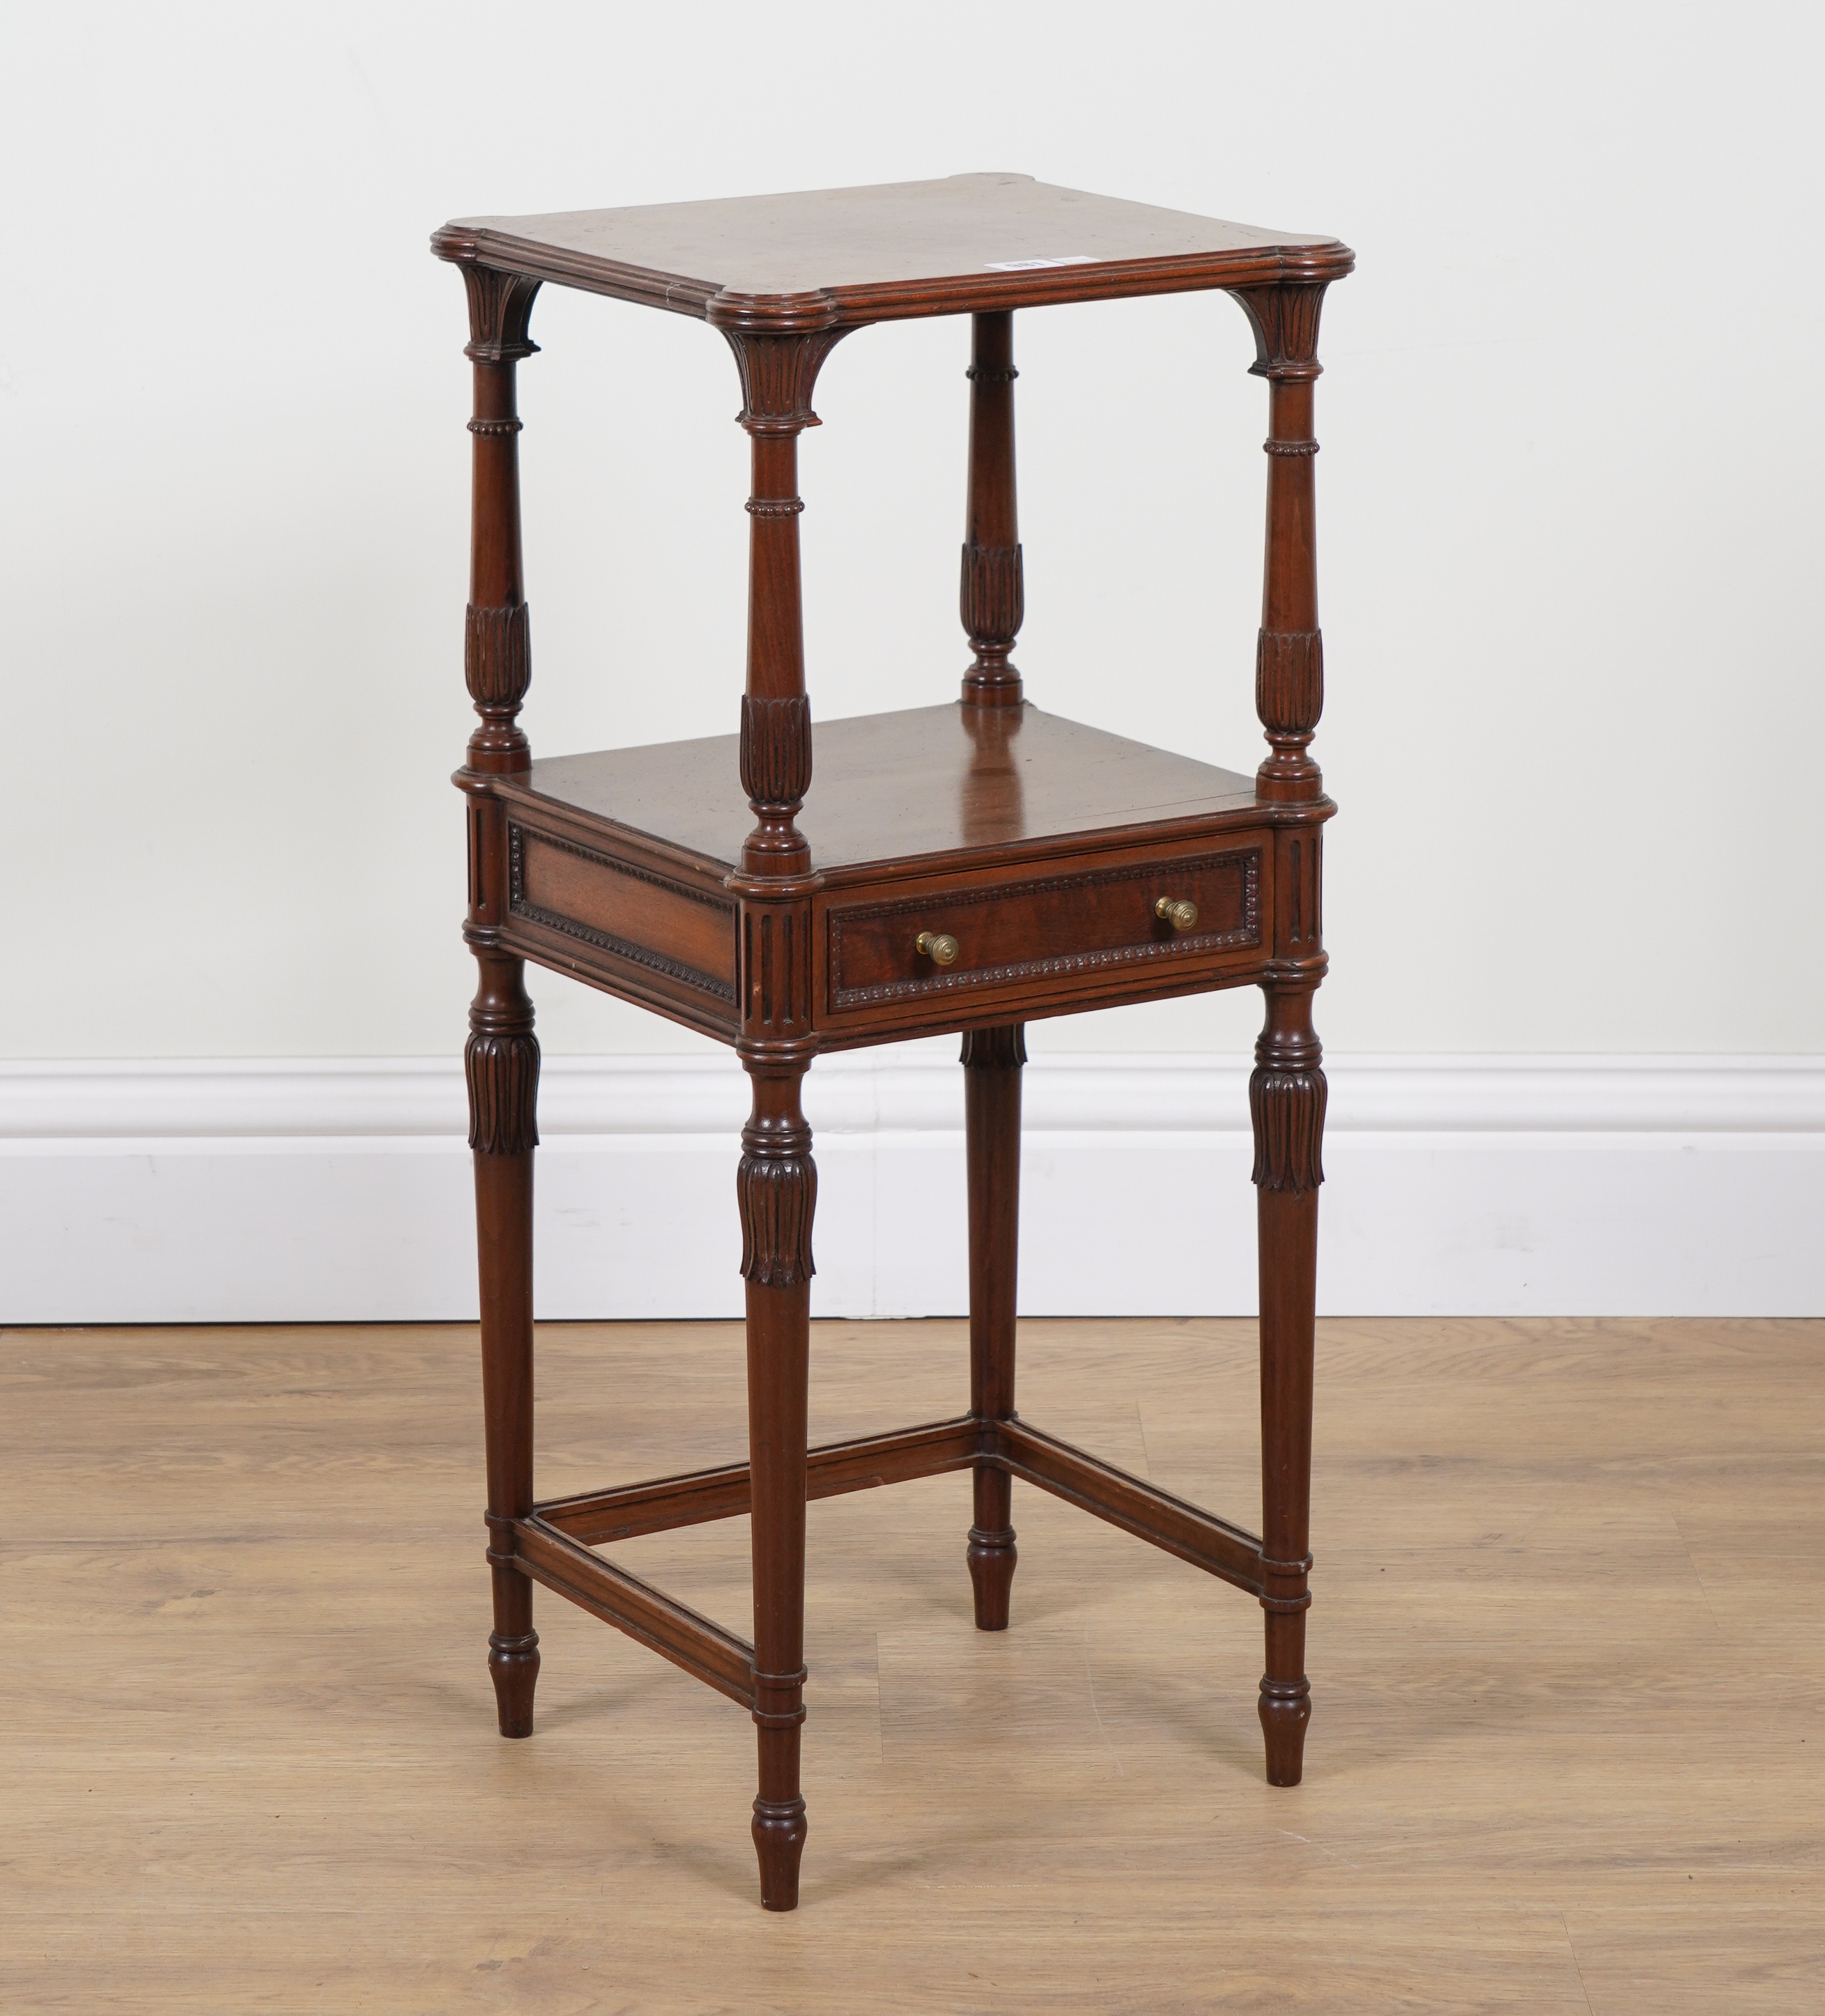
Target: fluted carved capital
column 1001, row 1049
column 777, row 1196
column 1284, row 319
column 1289, row 680
column 778, row 375
column 776, row 750
column 502, row 1073
column 992, row 600
column 497, row 657
column 500, row 308
column 1286, row 1105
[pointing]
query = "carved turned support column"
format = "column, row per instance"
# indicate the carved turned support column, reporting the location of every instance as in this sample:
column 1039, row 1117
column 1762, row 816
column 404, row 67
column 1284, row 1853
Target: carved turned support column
column 1287, row 1092
column 992, row 1059
column 500, row 1059
column 993, row 598
column 501, row 1064
column 777, row 375
column 991, row 603
column 777, row 1183
column 1289, row 676
column 776, row 1186
column 1285, row 1100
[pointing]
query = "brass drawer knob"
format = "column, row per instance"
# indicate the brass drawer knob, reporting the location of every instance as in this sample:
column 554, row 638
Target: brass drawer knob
column 939, row 947
column 1176, row 911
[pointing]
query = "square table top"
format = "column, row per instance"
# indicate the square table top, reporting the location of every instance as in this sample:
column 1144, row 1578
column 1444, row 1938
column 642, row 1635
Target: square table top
column 915, row 785
column 835, row 258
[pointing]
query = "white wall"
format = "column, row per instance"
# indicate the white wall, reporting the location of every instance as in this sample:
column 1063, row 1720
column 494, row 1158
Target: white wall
column 1570, row 494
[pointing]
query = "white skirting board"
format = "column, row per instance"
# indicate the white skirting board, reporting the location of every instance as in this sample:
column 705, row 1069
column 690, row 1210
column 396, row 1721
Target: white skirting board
column 337, row 1191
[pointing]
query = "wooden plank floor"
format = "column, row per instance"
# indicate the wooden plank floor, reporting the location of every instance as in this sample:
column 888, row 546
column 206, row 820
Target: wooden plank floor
column 1567, row 1651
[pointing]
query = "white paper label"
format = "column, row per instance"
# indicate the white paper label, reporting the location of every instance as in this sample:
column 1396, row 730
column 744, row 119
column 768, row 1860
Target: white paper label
column 1026, row 265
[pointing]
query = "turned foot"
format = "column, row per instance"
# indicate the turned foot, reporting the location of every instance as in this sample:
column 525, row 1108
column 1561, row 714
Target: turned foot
column 991, row 1557
column 1286, row 1708
column 512, row 1665
column 779, row 1831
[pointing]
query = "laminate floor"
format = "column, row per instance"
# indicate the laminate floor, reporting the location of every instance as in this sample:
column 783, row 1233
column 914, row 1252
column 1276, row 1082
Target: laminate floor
column 1567, row 1650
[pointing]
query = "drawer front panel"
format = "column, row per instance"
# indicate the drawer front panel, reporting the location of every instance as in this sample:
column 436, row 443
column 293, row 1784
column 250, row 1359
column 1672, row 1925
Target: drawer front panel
column 1084, row 922
column 685, row 935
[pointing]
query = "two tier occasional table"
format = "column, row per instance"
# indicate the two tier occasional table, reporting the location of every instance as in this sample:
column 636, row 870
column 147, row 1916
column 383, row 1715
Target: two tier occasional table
column 964, row 867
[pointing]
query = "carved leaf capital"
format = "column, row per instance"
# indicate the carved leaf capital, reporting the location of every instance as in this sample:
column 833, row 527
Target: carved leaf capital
column 1289, row 680
column 497, row 657
column 1284, row 318
column 1287, row 1108
column 992, row 599
column 500, row 308
column 777, row 1195
column 778, row 374
column 503, row 1073
column 775, row 749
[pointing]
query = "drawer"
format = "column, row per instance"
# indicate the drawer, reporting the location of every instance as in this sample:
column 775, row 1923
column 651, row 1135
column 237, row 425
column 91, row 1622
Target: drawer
column 1078, row 925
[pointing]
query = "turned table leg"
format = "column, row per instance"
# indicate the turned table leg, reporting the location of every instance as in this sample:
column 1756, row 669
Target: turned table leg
column 777, row 1184
column 990, row 604
column 777, row 1188
column 1285, row 1096
column 501, row 1063
column 501, row 1060
column 1287, row 1092
column 992, row 1059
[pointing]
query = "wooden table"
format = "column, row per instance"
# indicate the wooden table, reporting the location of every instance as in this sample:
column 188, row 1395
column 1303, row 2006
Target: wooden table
column 965, row 867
